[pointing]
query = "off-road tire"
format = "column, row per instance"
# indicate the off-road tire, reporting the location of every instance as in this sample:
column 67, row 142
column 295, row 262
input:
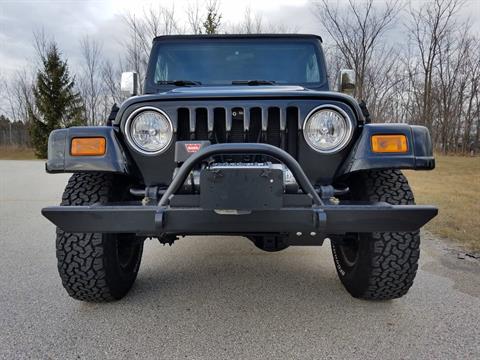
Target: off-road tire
column 96, row 267
column 378, row 266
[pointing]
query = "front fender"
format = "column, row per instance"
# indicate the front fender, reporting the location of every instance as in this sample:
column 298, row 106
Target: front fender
column 418, row 157
column 61, row 161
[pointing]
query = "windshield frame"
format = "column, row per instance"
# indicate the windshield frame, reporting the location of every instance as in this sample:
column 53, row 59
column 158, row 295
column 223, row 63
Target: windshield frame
column 152, row 87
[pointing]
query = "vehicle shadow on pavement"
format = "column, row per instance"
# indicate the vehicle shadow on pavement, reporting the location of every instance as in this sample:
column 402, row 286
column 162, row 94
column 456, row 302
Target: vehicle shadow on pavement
column 220, row 272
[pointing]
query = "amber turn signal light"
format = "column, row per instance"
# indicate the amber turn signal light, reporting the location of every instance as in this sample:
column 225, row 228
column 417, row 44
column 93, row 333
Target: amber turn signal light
column 92, row 146
column 389, row 143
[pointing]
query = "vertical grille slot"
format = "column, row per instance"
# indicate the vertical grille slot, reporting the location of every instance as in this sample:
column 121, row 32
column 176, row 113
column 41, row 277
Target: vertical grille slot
column 183, row 126
column 201, row 126
column 219, row 125
column 255, row 129
column 292, row 131
column 273, row 128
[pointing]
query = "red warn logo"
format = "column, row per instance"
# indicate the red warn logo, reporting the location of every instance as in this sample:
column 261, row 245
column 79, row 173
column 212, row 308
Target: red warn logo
column 192, row 148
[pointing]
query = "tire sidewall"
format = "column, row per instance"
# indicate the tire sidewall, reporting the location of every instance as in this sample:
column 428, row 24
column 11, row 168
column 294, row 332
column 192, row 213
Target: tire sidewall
column 355, row 277
column 375, row 275
column 118, row 279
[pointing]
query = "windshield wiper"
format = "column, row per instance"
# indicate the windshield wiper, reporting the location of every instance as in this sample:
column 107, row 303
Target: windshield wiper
column 253, row 82
column 179, row 82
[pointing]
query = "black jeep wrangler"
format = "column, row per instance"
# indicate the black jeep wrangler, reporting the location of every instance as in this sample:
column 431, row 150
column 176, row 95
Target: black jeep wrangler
column 239, row 135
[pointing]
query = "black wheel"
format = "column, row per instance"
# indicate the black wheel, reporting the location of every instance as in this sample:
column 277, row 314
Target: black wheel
column 270, row 243
column 378, row 266
column 97, row 267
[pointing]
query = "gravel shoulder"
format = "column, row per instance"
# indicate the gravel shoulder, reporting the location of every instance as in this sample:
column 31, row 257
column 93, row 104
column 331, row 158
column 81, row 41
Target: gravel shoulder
column 220, row 297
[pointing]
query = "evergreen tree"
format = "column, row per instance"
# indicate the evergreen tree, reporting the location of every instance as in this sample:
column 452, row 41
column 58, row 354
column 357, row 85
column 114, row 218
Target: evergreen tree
column 57, row 103
column 213, row 20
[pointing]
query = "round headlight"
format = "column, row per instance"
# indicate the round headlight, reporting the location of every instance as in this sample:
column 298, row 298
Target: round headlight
column 327, row 129
column 149, row 130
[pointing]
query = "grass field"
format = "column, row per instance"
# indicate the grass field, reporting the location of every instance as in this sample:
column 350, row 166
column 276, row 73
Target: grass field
column 454, row 186
column 16, row 153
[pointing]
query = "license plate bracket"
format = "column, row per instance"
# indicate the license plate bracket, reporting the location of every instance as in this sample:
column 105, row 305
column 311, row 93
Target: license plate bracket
column 241, row 187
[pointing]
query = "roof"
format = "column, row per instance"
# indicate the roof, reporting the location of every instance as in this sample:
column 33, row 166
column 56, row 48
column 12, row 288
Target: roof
column 238, row 36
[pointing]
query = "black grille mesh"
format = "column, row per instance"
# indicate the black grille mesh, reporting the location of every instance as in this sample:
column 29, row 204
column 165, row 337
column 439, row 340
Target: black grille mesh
column 272, row 125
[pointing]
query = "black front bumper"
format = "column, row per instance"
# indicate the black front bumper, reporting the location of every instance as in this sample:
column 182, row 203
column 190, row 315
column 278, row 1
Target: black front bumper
column 304, row 216
column 150, row 220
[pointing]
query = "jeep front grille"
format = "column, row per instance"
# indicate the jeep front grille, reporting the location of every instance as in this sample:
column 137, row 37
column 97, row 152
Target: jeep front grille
column 273, row 125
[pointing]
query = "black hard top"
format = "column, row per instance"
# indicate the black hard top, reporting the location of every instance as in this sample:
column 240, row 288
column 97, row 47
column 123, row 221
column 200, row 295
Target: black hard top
column 237, row 36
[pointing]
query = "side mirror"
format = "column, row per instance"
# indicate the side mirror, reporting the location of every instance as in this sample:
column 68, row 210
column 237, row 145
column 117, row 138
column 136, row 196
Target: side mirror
column 129, row 83
column 346, row 81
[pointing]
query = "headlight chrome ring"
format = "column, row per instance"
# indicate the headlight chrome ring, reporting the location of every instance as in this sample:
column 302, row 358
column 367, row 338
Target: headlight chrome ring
column 128, row 130
column 345, row 138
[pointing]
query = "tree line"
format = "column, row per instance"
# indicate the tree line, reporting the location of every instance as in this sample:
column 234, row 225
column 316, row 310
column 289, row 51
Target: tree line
column 413, row 64
column 430, row 77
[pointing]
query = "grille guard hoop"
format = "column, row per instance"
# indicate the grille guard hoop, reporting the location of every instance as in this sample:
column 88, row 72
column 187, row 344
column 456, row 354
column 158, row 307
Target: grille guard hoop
column 241, row 148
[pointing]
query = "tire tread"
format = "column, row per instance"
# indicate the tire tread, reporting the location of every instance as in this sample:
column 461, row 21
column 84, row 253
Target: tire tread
column 80, row 257
column 396, row 254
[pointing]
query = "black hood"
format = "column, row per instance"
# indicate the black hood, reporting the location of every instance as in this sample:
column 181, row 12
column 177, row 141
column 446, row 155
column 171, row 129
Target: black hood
column 270, row 92
column 236, row 90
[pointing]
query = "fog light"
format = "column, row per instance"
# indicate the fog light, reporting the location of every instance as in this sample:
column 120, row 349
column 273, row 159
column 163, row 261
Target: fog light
column 88, row 146
column 389, row 144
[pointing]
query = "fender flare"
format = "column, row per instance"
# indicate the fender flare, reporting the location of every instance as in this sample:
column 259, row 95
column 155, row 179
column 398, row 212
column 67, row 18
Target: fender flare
column 419, row 155
column 60, row 161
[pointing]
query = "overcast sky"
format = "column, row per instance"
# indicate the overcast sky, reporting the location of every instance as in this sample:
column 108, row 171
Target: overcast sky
column 68, row 20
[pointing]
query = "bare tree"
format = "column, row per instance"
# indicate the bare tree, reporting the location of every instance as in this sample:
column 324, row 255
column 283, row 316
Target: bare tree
column 471, row 134
column 19, row 95
column 13, row 125
column 452, row 86
column 434, row 80
column 91, row 86
column 253, row 23
column 383, row 85
column 111, row 79
column 154, row 22
column 41, row 43
column 357, row 31
column 428, row 27
column 18, row 89
column 3, row 94
column 194, row 18
column 335, row 61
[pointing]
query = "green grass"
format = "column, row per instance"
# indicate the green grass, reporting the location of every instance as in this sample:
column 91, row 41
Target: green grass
column 454, row 186
column 16, row 153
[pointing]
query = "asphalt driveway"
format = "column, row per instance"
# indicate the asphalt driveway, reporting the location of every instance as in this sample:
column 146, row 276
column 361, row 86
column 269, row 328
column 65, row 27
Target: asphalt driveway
column 220, row 298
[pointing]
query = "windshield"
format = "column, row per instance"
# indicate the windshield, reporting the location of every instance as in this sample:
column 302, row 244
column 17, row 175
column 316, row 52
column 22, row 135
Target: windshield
column 236, row 61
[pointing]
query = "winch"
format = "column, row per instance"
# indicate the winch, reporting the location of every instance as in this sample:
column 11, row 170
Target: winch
column 192, row 184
